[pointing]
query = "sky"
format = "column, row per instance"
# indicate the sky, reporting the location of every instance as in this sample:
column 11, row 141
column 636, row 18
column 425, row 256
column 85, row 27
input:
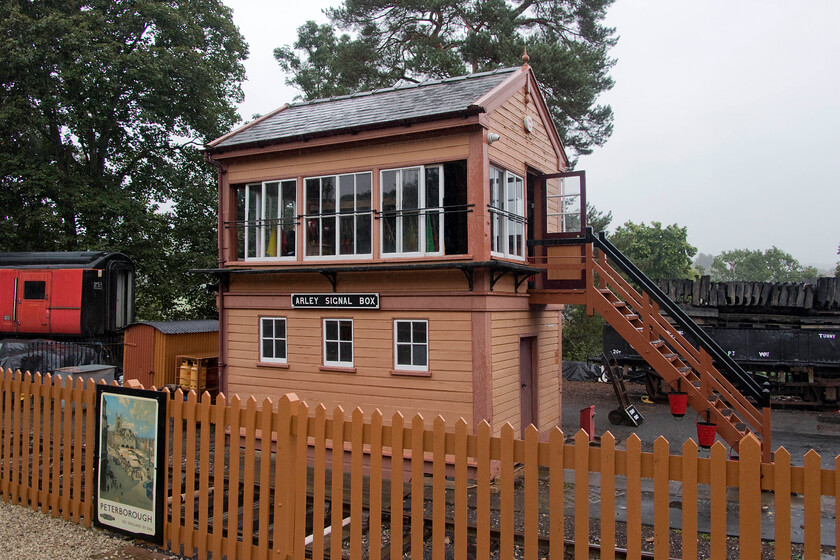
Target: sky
column 727, row 117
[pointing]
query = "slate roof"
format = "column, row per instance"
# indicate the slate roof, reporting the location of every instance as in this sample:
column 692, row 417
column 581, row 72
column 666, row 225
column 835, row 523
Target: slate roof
column 431, row 100
column 183, row 327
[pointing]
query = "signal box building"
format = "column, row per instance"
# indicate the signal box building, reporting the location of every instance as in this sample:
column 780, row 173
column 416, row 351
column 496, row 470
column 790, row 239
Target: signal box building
column 374, row 251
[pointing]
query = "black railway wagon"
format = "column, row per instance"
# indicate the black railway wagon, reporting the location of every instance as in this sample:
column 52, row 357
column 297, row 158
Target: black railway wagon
column 785, row 332
column 803, row 363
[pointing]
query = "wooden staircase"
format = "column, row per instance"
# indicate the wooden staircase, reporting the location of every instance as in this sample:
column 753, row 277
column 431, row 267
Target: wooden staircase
column 639, row 316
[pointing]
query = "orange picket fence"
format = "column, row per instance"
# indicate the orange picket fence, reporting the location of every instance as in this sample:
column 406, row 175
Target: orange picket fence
column 283, row 480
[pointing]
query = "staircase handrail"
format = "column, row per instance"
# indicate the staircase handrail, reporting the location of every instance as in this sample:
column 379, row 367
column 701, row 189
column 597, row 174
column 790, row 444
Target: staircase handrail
column 753, row 388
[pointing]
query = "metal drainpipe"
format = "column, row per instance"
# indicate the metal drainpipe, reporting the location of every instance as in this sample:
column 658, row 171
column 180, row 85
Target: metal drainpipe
column 222, row 169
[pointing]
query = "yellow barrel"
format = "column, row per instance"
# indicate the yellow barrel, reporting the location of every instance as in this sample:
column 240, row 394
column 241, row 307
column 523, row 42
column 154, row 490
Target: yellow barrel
column 184, row 373
column 194, row 376
column 201, row 382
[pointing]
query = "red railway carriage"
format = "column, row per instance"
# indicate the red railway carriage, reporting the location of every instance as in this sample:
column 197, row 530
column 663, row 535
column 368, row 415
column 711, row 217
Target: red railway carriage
column 78, row 293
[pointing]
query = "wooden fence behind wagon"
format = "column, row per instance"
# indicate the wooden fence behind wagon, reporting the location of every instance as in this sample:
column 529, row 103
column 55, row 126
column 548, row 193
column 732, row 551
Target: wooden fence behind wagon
column 403, row 488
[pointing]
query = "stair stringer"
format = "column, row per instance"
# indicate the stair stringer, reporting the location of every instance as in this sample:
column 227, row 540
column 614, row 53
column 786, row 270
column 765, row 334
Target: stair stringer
column 730, row 426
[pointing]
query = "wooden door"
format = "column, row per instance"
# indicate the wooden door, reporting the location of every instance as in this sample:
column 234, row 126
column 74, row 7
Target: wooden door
column 33, row 302
column 559, row 229
column 527, row 391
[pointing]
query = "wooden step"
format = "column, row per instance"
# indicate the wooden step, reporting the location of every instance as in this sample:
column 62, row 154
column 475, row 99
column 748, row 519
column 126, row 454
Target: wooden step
column 609, row 296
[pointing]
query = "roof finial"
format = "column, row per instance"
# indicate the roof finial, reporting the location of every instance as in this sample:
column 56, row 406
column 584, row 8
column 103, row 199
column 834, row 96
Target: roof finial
column 525, row 57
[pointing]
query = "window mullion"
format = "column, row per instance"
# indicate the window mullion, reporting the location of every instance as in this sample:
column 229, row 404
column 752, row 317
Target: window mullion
column 320, row 219
column 399, row 220
column 261, row 248
column 441, row 214
column 353, row 219
column 421, row 206
column 246, row 219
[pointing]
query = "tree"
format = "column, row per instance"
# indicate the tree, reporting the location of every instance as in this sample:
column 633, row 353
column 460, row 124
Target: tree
column 583, row 335
column 409, row 40
column 703, row 262
column 597, row 220
column 658, row 252
column 772, row 265
column 105, row 106
column 837, row 270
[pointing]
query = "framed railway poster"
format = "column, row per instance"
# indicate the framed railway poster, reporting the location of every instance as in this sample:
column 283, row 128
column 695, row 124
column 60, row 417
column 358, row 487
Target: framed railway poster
column 130, row 462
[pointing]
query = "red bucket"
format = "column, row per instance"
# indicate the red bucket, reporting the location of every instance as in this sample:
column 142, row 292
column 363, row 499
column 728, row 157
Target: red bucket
column 706, row 434
column 678, row 402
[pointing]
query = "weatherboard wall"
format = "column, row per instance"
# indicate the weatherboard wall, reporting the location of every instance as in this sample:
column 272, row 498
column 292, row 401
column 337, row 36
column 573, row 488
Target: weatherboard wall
column 372, row 382
column 508, row 328
column 517, row 150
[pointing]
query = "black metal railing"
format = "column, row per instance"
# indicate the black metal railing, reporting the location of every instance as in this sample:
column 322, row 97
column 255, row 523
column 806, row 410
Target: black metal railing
column 428, row 210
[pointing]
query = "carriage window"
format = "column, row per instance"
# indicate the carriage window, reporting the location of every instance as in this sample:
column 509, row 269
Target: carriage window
column 338, row 215
column 267, row 211
column 34, row 289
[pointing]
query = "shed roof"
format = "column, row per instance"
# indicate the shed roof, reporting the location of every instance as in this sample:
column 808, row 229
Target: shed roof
column 183, row 327
column 401, row 104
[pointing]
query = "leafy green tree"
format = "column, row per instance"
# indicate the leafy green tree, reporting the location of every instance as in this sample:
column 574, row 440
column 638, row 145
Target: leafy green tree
column 408, row 40
column 597, row 220
column 583, row 335
column 772, row 265
column 105, row 106
column 658, row 252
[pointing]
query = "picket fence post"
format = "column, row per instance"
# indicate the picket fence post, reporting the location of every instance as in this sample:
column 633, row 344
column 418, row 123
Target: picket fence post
column 285, row 491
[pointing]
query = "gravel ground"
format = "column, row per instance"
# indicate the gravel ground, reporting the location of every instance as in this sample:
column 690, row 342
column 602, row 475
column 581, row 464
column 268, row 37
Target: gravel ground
column 32, row 535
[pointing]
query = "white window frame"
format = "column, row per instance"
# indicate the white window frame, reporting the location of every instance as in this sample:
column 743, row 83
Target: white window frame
column 258, row 228
column 412, row 344
column 566, row 199
column 507, row 214
column 274, row 338
column 335, row 216
column 424, row 209
column 339, row 341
